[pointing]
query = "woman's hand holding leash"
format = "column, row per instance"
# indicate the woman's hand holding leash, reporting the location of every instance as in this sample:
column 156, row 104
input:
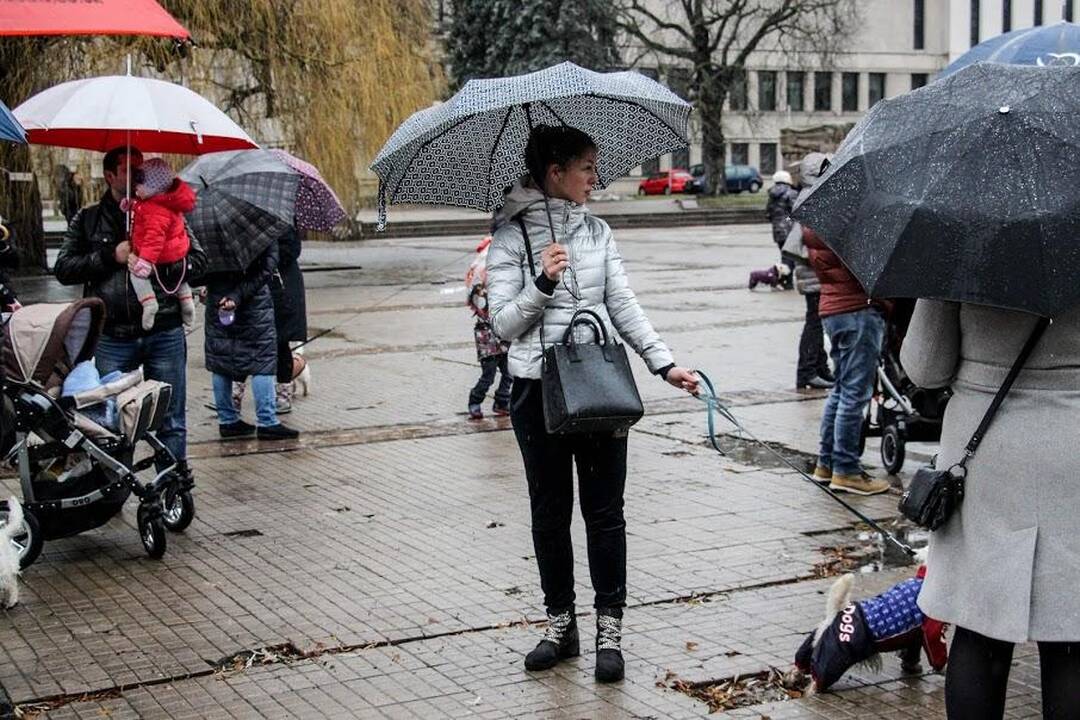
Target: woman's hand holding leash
column 683, row 379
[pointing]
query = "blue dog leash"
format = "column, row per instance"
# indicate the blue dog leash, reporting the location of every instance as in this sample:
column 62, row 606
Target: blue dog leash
column 715, row 407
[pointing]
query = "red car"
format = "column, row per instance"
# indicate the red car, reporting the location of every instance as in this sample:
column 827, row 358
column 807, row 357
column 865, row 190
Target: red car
column 665, row 183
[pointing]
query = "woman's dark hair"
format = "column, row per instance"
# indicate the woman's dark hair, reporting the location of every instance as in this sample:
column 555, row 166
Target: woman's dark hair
column 554, row 145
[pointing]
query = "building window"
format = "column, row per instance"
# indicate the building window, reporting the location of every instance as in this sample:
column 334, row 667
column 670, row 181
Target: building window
column 1038, row 12
column 680, row 159
column 767, row 163
column 796, row 91
column 823, row 91
column 877, row 88
column 920, row 24
column 740, row 153
column 850, row 101
column 1006, row 15
column 766, row 90
column 918, row 80
column 975, row 22
column 737, row 92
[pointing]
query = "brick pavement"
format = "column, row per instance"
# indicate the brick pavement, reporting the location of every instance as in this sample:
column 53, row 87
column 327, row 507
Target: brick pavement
column 368, row 544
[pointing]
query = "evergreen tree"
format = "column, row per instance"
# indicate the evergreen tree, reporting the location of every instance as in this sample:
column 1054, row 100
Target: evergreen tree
column 495, row 38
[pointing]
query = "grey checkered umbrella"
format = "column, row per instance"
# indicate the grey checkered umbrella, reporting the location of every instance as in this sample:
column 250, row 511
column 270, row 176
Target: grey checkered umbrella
column 466, row 151
column 246, row 201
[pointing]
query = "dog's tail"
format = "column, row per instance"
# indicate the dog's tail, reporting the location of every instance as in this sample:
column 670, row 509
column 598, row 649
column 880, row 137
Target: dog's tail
column 839, row 598
column 14, row 524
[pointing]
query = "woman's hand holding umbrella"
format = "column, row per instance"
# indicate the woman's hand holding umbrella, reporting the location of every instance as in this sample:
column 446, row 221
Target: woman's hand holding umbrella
column 555, row 260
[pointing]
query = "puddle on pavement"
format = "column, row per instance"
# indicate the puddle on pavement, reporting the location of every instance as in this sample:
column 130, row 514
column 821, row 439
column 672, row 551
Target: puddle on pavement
column 863, row 550
column 748, row 452
column 735, row 692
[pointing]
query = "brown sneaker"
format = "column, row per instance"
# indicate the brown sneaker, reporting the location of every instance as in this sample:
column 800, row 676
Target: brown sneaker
column 822, row 474
column 861, row 484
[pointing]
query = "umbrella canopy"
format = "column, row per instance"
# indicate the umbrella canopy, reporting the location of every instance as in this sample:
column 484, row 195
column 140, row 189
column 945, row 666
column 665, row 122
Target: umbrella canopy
column 963, row 190
column 100, row 17
column 466, row 151
column 1043, row 46
column 246, row 201
column 317, row 205
column 10, row 129
column 153, row 115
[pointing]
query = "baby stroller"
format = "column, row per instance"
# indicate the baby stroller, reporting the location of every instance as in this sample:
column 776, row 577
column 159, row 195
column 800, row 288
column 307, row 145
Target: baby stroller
column 900, row 411
column 74, row 473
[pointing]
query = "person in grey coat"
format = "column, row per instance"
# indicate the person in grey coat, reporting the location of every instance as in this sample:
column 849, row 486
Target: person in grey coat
column 241, row 342
column 579, row 267
column 1006, row 566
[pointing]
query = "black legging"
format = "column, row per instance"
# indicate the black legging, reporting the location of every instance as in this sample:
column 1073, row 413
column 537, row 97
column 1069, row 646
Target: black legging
column 978, row 675
column 284, row 362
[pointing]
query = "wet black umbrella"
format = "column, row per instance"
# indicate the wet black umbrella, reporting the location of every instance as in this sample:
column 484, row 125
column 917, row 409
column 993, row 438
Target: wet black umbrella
column 967, row 190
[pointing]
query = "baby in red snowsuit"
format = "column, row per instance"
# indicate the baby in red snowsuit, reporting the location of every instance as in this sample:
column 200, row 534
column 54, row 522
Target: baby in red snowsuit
column 158, row 236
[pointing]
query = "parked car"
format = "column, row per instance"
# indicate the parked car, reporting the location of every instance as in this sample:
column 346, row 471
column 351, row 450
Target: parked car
column 738, row 177
column 665, row 183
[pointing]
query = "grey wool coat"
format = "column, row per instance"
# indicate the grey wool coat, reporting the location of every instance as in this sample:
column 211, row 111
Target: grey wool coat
column 1007, row 563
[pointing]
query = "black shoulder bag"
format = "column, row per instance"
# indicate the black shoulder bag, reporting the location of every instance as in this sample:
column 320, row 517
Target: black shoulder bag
column 934, row 495
column 587, row 388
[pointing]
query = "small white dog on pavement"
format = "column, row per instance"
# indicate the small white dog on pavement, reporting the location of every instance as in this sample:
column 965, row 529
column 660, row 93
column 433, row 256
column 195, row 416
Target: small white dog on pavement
column 9, row 557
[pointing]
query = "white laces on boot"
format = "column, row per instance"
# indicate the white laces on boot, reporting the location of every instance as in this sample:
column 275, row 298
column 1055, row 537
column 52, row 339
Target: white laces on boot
column 608, row 632
column 558, row 626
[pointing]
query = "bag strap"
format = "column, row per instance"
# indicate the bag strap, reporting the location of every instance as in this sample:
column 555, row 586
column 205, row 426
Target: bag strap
column 532, row 274
column 973, row 444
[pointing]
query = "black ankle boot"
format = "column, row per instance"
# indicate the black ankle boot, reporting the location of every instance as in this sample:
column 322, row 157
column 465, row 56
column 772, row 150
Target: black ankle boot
column 609, row 659
column 560, row 642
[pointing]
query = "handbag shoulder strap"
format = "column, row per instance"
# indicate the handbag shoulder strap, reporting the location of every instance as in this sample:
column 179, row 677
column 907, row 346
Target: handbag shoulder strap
column 532, row 274
column 1032, row 340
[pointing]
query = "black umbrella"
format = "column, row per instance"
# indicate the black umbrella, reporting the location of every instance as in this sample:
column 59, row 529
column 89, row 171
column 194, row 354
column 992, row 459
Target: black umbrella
column 963, row 190
column 246, row 202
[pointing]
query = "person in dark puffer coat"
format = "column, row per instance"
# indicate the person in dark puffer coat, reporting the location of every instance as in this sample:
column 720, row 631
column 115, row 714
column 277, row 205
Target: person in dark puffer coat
column 246, row 346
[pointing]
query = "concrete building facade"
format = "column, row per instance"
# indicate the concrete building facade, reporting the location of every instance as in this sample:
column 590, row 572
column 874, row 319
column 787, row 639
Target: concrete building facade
column 897, row 45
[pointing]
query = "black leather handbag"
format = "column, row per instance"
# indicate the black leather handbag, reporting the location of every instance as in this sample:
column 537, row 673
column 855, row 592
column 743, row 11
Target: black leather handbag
column 933, row 495
column 587, row 387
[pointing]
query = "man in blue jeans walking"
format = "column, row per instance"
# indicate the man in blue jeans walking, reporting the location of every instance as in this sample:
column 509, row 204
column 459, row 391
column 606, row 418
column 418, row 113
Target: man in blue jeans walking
column 97, row 254
column 856, row 327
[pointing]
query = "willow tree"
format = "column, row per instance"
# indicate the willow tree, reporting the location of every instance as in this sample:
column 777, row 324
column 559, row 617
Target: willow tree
column 327, row 79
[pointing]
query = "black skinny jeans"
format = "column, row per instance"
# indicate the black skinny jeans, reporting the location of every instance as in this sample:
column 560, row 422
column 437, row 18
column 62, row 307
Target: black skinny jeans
column 284, row 362
column 601, row 466
column 488, row 368
column 977, row 677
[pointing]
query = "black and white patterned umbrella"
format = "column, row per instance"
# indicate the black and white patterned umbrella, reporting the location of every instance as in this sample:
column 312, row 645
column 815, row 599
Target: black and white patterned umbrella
column 246, row 201
column 466, row 151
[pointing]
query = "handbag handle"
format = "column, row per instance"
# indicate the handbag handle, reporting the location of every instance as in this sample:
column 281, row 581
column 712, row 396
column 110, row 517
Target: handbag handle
column 591, row 319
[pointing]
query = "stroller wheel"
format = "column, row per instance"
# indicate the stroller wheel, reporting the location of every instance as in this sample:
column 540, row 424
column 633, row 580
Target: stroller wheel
column 28, row 543
column 892, row 449
column 177, row 509
column 152, row 531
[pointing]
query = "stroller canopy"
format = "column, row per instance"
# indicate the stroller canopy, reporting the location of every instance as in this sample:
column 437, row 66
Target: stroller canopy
column 43, row 342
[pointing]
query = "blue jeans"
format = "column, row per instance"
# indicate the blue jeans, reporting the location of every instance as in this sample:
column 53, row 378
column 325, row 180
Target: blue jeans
column 163, row 356
column 264, row 390
column 856, row 346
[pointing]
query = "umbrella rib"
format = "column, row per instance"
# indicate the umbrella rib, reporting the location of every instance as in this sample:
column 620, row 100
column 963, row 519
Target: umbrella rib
column 552, row 111
column 495, row 147
column 405, row 169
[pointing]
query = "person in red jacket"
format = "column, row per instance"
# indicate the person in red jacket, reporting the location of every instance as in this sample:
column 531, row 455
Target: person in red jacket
column 158, row 235
column 856, row 327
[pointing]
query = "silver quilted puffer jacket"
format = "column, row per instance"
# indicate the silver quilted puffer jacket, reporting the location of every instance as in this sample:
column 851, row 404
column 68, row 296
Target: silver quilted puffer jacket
column 598, row 279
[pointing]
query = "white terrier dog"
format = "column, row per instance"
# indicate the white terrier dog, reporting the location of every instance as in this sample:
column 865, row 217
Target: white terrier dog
column 302, row 382
column 9, row 558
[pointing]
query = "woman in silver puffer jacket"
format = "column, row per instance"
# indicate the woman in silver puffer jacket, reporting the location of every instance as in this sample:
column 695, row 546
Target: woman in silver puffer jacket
column 578, row 268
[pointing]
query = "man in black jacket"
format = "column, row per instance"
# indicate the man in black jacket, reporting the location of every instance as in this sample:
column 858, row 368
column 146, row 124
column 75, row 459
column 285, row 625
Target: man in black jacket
column 97, row 254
